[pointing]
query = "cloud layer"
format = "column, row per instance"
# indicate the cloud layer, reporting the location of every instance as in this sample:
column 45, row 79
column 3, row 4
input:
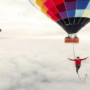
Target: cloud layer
column 34, row 64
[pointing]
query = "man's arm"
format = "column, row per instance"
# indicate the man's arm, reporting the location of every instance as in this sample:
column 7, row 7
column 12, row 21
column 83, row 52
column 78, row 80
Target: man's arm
column 71, row 59
column 84, row 58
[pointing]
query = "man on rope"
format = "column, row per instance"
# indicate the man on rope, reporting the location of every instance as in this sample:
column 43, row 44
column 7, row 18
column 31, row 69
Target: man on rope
column 77, row 62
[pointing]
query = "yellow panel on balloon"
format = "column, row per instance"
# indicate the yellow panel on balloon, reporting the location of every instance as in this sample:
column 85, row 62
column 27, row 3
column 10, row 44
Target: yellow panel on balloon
column 44, row 9
column 86, row 13
column 40, row 2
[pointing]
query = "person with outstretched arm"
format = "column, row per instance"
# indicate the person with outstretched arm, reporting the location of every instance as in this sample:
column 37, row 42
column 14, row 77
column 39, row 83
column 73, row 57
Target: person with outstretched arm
column 78, row 62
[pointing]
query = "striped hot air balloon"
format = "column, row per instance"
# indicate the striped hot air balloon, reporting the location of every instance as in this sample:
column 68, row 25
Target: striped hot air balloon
column 71, row 15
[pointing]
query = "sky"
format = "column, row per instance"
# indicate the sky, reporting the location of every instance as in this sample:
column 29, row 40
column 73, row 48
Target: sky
column 33, row 55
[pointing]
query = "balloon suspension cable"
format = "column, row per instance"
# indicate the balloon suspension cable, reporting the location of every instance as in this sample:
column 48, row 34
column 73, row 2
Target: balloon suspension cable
column 73, row 48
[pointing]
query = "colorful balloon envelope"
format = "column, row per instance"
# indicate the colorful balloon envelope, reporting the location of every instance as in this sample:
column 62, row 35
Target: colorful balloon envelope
column 71, row 15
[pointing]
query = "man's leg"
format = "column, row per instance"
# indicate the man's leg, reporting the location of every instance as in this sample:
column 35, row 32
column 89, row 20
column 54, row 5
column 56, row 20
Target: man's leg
column 77, row 68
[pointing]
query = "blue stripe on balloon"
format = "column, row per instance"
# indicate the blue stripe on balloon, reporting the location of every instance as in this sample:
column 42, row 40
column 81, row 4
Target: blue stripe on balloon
column 82, row 4
column 71, row 13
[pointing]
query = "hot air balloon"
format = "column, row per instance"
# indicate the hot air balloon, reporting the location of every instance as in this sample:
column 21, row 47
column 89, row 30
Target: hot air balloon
column 71, row 15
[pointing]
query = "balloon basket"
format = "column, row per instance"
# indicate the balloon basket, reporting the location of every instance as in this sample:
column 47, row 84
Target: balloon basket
column 71, row 40
column 75, row 40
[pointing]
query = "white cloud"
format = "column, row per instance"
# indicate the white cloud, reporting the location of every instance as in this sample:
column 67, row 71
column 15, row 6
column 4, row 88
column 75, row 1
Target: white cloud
column 34, row 64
